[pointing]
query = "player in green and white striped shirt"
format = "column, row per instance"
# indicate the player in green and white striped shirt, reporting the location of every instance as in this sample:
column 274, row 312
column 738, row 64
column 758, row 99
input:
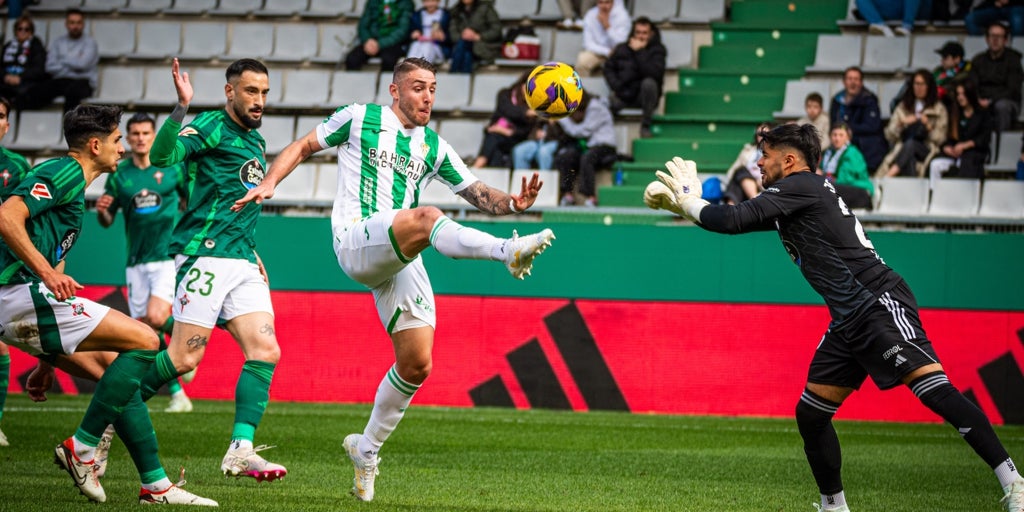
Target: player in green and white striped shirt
column 386, row 155
column 220, row 277
column 14, row 168
column 149, row 198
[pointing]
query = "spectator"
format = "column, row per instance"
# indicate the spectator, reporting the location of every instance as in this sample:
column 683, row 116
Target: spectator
column 592, row 125
column 843, row 164
column 24, row 61
column 743, row 180
column 858, row 108
column 993, row 11
column 539, row 147
column 509, row 125
column 814, row 109
column 635, row 72
column 476, row 34
column 970, row 130
column 573, row 11
column 429, row 37
column 72, row 64
column 383, row 32
column 877, row 12
column 917, row 128
column 998, row 74
column 604, row 26
column 952, row 70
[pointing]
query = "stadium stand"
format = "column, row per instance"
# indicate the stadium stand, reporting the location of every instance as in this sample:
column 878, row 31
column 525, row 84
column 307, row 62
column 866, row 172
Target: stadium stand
column 1002, row 199
column 903, row 196
column 955, row 197
column 204, row 40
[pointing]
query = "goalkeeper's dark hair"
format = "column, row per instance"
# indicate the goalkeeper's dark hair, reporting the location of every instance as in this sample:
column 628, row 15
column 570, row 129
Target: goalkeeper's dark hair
column 85, row 122
column 803, row 139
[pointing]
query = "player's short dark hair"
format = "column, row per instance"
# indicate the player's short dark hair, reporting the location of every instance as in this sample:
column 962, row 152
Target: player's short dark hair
column 7, row 104
column 815, row 97
column 87, row 121
column 140, row 117
column 409, row 65
column 240, row 66
column 803, row 139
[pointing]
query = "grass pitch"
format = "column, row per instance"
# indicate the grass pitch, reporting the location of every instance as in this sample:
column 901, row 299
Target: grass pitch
column 476, row 460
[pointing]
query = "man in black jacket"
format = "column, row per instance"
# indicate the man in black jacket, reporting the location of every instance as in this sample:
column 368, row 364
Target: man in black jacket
column 997, row 72
column 858, row 108
column 635, row 71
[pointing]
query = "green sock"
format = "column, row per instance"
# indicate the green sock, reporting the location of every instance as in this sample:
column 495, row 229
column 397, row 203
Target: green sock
column 120, row 382
column 173, row 386
column 5, row 374
column 159, row 374
column 168, row 326
column 136, row 431
column 251, row 396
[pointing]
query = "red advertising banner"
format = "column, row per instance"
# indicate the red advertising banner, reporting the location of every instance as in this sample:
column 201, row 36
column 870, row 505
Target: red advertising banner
column 658, row 357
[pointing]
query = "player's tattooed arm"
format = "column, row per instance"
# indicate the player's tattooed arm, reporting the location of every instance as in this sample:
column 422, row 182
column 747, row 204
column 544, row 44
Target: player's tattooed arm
column 487, row 199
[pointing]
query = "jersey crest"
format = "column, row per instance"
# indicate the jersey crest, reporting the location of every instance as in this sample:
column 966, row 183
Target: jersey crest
column 6, row 175
column 251, row 173
column 40, row 192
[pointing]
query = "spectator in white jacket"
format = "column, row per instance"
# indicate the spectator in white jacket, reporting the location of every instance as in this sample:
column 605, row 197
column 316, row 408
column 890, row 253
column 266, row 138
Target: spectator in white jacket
column 604, row 26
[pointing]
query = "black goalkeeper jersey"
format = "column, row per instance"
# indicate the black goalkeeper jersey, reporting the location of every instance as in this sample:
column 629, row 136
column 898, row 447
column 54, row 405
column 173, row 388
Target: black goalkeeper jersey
column 823, row 237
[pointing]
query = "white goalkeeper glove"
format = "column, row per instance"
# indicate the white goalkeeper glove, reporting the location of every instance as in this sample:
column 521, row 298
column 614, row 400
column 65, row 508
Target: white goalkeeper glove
column 679, row 191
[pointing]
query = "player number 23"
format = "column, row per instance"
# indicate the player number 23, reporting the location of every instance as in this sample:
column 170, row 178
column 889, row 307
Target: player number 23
column 204, row 280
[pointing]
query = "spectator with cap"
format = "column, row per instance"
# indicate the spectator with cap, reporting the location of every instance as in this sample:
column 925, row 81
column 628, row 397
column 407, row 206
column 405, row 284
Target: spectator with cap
column 998, row 74
column 952, row 70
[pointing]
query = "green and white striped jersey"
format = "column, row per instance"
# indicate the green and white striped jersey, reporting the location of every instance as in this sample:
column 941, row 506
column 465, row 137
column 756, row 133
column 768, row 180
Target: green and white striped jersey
column 383, row 165
column 150, row 198
column 223, row 161
column 54, row 193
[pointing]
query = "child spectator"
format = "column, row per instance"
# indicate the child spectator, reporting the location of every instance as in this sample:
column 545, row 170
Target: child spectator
column 429, row 37
column 814, row 106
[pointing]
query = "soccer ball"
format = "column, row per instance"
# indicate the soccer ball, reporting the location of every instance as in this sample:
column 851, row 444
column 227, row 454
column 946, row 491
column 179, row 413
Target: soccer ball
column 554, row 90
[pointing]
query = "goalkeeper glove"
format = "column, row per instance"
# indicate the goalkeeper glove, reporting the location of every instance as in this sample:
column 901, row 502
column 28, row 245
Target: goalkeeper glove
column 679, row 191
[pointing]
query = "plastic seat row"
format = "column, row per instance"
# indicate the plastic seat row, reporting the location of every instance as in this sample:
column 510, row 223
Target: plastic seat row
column 797, row 91
column 879, row 54
column 951, row 197
column 305, row 8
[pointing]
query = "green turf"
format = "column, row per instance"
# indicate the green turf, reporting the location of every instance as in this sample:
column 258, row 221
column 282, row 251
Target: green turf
column 475, row 460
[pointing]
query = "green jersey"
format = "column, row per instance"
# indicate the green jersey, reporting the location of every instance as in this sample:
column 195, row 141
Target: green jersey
column 14, row 169
column 150, row 199
column 54, row 193
column 223, row 161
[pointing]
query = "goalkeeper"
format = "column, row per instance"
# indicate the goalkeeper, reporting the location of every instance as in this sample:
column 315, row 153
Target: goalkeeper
column 875, row 328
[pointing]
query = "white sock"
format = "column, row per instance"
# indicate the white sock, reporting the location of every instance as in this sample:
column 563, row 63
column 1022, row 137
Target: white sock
column 1007, row 473
column 241, row 443
column 393, row 396
column 159, row 486
column 831, row 501
column 84, row 452
column 457, row 241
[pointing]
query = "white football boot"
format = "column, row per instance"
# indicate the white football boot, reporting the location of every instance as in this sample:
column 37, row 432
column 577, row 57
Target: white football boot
column 366, row 469
column 245, row 462
column 520, row 251
column 83, row 474
column 1014, row 498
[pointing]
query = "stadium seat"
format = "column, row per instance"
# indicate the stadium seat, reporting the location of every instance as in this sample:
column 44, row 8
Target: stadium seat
column 248, row 39
column 597, row 86
column 207, row 83
column 835, row 53
column 796, row 94
column 887, row 91
column 121, row 85
column 567, row 45
column 237, row 8
column 335, row 41
column 103, row 6
column 192, row 7
column 38, row 131
column 204, row 40
column 283, row 8
column 549, row 11
column 140, row 7
column 657, row 10
column 158, row 39
column 923, row 55
column 305, row 88
column 55, row 6
column 95, row 189
column 298, row 187
column 955, row 197
column 680, row 48
column 437, row 193
column 700, row 11
column 303, row 124
column 514, row 10
column 357, row 9
column 485, row 90
column 452, row 90
column 293, row 42
column 115, row 38
column 1006, row 152
column 974, row 45
column 464, row 135
column 494, row 177
column 158, row 89
column 349, row 87
column 278, row 131
column 326, row 182
column 327, row 8
column 903, row 196
column 885, row 54
column 1002, row 198
column 548, row 196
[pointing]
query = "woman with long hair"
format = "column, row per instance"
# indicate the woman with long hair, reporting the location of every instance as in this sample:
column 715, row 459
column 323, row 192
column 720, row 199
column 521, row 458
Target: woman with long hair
column 916, row 129
column 965, row 151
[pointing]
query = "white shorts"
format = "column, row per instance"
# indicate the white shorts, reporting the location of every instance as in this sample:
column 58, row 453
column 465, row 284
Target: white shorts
column 32, row 320
column 211, row 288
column 145, row 280
column 368, row 253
